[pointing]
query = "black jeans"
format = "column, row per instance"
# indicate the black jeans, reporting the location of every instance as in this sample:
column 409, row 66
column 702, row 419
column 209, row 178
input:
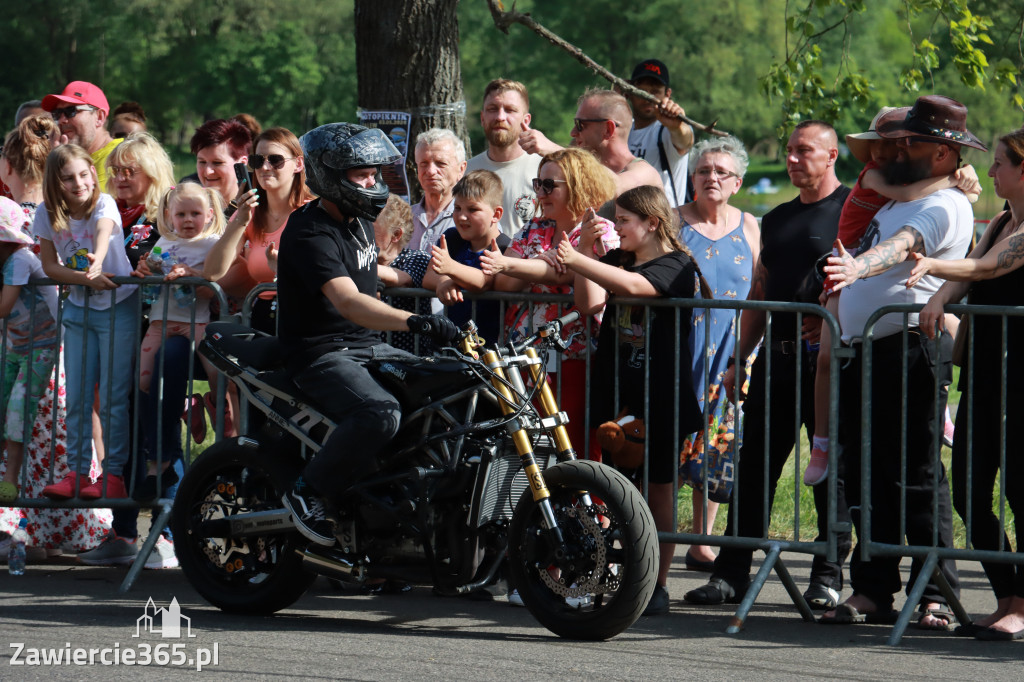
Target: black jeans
column 747, row 510
column 1007, row 580
column 367, row 415
column 879, row 578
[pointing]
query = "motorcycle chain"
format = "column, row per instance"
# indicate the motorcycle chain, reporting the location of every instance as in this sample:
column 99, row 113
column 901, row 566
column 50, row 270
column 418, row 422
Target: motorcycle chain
column 592, row 583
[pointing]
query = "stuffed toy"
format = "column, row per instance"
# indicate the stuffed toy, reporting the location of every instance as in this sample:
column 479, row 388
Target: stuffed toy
column 623, row 440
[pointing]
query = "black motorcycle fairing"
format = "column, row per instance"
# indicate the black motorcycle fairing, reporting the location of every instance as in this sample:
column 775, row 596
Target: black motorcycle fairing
column 416, row 382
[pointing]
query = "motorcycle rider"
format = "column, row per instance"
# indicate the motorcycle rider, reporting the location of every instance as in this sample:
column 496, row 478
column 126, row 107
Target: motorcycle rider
column 327, row 283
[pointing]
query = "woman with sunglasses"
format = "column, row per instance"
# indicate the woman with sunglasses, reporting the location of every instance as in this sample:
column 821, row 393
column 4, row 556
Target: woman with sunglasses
column 726, row 242
column 571, row 185
column 280, row 180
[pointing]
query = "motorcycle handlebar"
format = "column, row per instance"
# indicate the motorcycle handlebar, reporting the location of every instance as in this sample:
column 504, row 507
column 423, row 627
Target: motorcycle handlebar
column 552, row 330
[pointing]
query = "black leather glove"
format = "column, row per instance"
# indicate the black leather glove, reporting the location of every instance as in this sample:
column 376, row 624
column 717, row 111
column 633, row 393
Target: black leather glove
column 439, row 328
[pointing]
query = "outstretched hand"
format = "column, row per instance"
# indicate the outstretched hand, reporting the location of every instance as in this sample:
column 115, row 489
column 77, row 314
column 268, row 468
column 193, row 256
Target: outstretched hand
column 842, row 268
column 492, row 261
column 922, row 265
column 440, row 260
column 535, row 142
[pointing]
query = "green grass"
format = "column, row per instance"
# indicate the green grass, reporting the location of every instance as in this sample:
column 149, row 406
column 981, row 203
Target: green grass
column 781, row 524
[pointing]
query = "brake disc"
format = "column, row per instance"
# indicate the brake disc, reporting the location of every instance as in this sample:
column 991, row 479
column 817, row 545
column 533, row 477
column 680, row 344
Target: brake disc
column 598, row 580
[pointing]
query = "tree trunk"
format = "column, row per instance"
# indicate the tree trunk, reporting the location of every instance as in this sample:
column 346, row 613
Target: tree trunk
column 407, row 59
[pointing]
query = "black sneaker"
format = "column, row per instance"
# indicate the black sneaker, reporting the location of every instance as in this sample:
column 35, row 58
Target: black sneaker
column 821, row 598
column 658, row 606
column 310, row 513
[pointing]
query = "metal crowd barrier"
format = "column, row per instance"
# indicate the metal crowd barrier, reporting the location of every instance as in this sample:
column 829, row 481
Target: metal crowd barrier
column 161, row 507
column 931, row 553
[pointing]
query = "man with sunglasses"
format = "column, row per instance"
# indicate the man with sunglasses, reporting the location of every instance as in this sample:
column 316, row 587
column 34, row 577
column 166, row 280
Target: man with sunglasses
column 929, row 138
column 659, row 136
column 81, row 112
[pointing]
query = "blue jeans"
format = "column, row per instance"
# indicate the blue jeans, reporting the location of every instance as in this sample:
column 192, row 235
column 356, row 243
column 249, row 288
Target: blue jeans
column 100, row 348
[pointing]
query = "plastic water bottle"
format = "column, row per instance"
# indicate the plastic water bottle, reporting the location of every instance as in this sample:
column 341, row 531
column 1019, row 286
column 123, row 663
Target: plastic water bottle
column 150, row 292
column 16, row 556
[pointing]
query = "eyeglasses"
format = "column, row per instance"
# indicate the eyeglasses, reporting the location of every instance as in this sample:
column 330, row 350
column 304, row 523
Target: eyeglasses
column 128, row 171
column 276, row 161
column 69, row 112
column 715, row 172
column 579, row 123
column 545, row 186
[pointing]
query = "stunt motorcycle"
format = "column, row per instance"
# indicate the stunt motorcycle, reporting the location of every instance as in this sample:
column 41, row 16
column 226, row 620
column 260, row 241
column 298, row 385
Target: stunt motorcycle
column 480, row 478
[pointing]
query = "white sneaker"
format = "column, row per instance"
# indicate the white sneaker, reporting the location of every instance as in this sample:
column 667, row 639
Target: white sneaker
column 514, row 599
column 579, row 602
column 162, row 555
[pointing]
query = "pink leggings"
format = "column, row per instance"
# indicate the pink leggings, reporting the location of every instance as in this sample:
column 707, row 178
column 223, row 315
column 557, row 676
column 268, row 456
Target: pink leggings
column 153, row 339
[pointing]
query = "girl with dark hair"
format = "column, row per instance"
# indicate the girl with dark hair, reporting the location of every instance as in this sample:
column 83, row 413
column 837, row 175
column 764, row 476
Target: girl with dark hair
column 651, row 344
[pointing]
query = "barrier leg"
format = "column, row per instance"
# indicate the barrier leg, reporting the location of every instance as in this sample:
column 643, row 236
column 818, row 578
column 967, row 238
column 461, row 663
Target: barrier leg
column 140, row 559
column 771, row 557
column 951, row 599
column 794, row 592
column 914, row 598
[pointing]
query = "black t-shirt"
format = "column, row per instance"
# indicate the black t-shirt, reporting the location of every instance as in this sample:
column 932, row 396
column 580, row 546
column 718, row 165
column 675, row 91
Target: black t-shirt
column 314, row 250
column 794, row 236
column 488, row 313
column 673, row 275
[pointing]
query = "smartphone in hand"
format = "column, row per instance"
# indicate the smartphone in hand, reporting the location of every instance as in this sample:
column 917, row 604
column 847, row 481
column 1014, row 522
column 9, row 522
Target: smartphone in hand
column 244, row 177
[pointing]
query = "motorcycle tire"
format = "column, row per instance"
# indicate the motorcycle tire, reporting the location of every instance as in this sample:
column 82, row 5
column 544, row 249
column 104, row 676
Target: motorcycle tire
column 606, row 583
column 254, row 575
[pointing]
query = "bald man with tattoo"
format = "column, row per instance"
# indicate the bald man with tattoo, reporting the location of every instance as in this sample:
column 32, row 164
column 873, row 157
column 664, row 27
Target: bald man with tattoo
column 929, row 137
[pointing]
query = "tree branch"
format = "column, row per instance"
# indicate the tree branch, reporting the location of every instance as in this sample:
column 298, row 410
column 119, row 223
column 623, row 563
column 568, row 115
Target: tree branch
column 503, row 19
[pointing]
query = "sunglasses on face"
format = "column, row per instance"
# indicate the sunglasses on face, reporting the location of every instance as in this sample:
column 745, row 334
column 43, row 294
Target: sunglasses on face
column 128, row 171
column 545, row 186
column 69, row 112
column 579, row 123
column 276, row 161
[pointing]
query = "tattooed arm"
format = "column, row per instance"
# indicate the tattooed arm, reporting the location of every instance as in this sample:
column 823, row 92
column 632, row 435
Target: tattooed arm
column 1004, row 257
column 844, row 269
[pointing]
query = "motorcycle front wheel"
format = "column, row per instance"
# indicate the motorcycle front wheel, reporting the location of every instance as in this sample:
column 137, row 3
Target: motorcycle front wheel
column 256, row 575
column 600, row 583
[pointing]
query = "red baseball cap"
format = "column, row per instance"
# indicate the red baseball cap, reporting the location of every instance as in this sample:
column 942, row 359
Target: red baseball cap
column 78, row 92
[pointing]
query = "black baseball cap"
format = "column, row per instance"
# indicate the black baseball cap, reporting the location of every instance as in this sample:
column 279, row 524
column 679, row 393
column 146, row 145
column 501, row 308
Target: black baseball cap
column 651, row 68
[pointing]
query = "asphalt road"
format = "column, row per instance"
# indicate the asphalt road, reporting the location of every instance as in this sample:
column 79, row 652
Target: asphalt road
column 332, row 634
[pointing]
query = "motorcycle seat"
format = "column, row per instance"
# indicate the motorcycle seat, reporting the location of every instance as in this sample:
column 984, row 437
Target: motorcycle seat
column 252, row 347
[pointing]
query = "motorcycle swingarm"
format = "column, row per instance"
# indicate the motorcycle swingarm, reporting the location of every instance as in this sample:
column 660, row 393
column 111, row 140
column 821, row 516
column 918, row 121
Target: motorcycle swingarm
column 267, row 522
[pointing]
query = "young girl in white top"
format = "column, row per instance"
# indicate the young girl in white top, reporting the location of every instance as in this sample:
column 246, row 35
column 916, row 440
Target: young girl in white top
column 190, row 220
column 81, row 244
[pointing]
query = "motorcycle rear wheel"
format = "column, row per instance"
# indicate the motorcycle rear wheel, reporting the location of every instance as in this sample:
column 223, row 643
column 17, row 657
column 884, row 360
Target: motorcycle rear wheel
column 604, row 586
column 256, row 575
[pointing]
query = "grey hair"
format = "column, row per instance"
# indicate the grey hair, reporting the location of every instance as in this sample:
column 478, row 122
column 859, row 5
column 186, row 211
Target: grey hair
column 721, row 145
column 25, row 106
column 440, row 135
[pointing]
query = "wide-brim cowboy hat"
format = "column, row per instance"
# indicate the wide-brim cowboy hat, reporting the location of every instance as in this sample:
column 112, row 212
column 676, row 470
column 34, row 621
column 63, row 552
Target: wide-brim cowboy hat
column 933, row 118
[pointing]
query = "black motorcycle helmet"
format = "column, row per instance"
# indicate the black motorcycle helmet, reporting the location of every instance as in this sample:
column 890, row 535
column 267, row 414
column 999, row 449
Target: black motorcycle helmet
column 331, row 150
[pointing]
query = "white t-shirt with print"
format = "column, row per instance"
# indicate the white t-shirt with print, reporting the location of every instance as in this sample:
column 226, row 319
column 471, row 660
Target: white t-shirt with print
column 74, row 243
column 945, row 221
column 191, row 252
column 518, row 199
column 643, row 143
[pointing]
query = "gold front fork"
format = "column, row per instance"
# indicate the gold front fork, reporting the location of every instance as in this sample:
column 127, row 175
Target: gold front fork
column 519, row 435
column 549, row 408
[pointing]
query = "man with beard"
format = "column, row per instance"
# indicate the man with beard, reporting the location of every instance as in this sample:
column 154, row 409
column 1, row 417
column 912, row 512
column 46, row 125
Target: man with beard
column 794, row 236
column 440, row 163
column 602, row 124
column 659, row 136
column 81, row 113
column 506, row 113
column 929, row 137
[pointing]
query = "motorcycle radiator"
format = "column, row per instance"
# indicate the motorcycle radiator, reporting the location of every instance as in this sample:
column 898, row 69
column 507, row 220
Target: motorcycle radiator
column 503, row 480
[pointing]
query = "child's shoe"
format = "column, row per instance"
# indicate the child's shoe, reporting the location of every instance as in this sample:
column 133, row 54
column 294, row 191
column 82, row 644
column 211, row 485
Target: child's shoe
column 947, row 431
column 115, row 488
column 65, row 488
column 197, row 423
column 817, row 468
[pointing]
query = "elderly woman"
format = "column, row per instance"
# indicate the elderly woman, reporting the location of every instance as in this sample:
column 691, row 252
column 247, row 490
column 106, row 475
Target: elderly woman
column 726, row 243
column 138, row 173
column 571, row 185
column 280, row 179
column 990, row 275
